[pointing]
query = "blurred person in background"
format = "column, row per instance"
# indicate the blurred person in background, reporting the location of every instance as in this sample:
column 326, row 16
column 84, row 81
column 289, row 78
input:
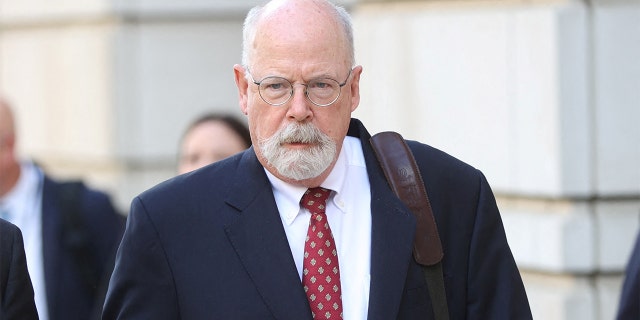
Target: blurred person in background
column 209, row 138
column 70, row 232
column 16, row 292
column 629, row 308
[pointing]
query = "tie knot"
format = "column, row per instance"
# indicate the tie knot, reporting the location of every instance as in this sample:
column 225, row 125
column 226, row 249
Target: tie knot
column 315, row 199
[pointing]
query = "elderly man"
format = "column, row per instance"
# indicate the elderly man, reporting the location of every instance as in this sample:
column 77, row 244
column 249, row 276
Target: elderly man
column 235, row 241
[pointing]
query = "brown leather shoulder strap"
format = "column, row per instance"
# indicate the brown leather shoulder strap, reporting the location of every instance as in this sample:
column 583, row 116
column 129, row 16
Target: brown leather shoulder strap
column 404, row 177
column 405, row 180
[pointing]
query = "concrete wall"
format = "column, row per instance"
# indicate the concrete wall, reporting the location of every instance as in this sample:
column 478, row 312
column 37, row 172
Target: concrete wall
column 541, row 95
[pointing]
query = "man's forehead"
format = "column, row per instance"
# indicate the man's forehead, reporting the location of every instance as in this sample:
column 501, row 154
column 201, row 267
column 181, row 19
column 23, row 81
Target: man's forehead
column 290, row 6
column 300, row 12
column 304, row 40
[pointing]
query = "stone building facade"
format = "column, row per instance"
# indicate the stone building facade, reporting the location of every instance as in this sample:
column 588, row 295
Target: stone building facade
column 543, row 96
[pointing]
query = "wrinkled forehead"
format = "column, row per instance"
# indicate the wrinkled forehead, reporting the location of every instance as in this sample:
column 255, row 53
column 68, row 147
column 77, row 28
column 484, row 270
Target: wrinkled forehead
column 299, row 31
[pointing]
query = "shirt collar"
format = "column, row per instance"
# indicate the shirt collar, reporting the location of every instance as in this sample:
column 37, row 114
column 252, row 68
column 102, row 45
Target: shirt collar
column 29, row 183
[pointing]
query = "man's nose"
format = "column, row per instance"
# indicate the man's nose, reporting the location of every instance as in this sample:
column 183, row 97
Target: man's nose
column 300, row 106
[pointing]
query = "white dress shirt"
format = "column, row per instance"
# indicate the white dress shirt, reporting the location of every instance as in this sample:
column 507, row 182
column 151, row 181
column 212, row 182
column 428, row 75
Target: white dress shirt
column 24, row 204
column 349, row 215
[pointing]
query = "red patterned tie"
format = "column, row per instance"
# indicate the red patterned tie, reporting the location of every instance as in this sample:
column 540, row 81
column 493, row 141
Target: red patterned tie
column 320, row 272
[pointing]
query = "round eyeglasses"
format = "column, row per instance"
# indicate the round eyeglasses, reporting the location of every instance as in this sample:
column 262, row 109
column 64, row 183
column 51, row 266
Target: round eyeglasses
column 277, row 91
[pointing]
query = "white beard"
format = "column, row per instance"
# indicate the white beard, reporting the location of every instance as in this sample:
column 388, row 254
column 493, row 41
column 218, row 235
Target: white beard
column 299, row 164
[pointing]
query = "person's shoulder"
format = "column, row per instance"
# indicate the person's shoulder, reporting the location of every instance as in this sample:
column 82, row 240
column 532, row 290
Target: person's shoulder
column 75, row 189
column 8, row 233
column 8, row 228
column 188, row 193
column 444, row 171
column 427, row 155
column 208, row 179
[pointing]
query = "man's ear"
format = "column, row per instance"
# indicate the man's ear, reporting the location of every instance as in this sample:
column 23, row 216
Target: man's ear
column 355, row 87
column 243, row 85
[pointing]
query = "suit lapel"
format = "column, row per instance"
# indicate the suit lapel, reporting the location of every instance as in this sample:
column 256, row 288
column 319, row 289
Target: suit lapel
column 261, row 243
column 392, row 232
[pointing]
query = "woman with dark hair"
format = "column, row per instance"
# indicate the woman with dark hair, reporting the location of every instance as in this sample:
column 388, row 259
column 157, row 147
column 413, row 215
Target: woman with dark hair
column 210, row 138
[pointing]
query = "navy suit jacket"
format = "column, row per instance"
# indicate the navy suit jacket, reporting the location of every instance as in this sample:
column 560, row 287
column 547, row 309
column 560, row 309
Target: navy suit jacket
column 629, row 308
column 68, row 294
column 16, row 292
column 210, row 245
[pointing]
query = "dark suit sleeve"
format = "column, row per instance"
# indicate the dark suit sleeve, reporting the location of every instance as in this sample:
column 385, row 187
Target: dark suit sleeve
column 480, row 273
column 495, row 287
column 141, row 285
column 15, row 284
column 630, row 300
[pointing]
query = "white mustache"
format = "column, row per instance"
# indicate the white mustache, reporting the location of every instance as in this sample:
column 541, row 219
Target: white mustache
column 300, row 133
